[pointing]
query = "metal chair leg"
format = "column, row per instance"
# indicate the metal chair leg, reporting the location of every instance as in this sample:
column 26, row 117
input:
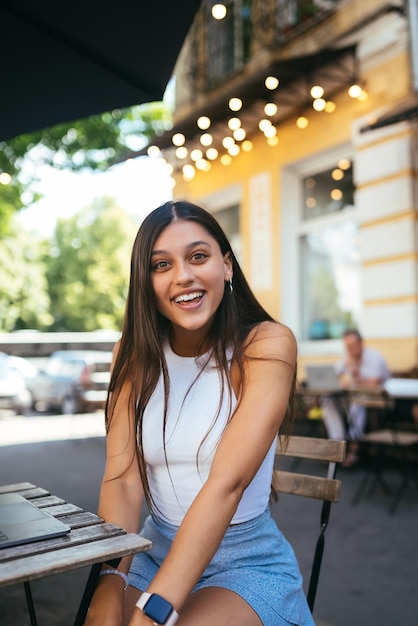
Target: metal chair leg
column 87, row 595
column 30, row 605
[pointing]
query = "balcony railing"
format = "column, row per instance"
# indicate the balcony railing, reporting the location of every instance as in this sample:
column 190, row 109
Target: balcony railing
column 220, row 49
column 278, row 21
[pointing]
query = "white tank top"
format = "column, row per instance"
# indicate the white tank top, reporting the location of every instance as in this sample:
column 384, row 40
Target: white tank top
column 193, row 431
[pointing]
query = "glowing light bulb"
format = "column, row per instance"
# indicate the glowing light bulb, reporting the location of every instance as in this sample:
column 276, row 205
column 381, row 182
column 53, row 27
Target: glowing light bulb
column 178, row 139
column 337, row 174
column 203, row 122
column 319, row 104
column 153, row 151
column 227, row 142
column 235, row 104
column 354, row 91
column 302, row 122
column 234, row 123
column 317, row 91
column 330, row 106
column 271, row 131
column 344, row 164
column 206, row 139
column 234, row 150
column 196, row 154
column 271, row 82
column 212, row 154
column 203, row 165
column 239, row 134
column 263, row 124
column 336, row 194
column 226, row 159
column 219, row 11
column 181, row 152
column 5, row 178
column 189, row 172
column 270, row 109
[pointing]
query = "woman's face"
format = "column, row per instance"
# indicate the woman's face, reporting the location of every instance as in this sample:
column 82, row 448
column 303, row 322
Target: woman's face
column 188, row 274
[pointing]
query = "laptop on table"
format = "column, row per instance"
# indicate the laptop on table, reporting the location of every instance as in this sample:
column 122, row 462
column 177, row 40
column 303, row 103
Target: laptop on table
column 322, row 378
column 22, row 522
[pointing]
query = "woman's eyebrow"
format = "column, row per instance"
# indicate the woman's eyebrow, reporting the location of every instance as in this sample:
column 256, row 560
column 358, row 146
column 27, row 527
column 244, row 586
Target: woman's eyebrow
column 189, row 246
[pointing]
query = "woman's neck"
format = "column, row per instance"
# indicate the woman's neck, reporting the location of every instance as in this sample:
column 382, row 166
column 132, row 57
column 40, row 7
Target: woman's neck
column 188, row 343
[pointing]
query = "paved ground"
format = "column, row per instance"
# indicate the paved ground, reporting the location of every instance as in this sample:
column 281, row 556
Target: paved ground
column 370, row 566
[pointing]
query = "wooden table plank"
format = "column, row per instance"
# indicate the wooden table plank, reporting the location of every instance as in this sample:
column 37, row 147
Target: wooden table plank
column 75, row 538
column 81, row 520
column 27, row 490
column 37, row 492
column 61, row 509
column 58, row 561
column 16, row 487
column 48, row 501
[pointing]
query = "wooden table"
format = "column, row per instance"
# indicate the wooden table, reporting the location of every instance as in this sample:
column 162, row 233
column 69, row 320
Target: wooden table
column 374, row 398
column 312, row 398
column 90, row 542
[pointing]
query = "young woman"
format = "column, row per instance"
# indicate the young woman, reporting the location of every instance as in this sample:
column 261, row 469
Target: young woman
column 200, row 387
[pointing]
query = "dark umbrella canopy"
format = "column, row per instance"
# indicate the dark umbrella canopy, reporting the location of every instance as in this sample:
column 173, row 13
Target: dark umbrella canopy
column 63, row 61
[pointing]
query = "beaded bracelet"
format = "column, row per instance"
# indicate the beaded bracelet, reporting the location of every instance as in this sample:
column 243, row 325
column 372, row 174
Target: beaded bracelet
column 116, row 572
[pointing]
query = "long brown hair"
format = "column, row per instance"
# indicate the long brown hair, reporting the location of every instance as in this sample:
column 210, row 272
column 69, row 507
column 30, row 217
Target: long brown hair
column 140, row 360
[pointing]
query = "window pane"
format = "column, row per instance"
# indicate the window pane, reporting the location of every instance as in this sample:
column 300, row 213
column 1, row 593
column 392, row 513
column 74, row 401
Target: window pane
column 329, row 191
column 229, row 220
column 330, row 280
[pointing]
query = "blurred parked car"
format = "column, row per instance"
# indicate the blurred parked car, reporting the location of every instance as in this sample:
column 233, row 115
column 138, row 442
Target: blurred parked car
column 72, row 381
column 15, row 376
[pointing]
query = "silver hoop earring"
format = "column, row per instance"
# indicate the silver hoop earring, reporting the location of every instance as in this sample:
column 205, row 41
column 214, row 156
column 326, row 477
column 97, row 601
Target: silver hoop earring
column 231, row 287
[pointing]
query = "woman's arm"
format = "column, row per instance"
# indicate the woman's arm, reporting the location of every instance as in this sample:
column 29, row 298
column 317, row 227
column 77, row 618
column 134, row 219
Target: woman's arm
column 120, row 502
column 269, row 366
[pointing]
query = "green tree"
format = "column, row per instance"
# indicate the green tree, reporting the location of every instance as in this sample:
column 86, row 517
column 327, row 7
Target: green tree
column 88, row 268
column 24, row 300
column 95, row 143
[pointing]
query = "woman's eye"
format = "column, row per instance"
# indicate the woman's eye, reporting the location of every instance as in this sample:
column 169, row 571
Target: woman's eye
column 160, row 265
column 199, row 256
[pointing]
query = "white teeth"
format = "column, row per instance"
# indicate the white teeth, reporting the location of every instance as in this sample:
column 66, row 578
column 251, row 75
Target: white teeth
column 189, row 296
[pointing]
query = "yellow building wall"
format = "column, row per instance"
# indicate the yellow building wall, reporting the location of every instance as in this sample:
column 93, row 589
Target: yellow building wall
column 387, row 84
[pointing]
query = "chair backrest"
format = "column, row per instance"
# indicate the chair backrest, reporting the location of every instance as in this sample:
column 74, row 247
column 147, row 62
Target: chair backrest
column 324, row 487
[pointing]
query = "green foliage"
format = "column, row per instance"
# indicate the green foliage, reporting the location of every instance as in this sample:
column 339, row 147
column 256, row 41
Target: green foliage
column 9, row 203
column 88, row 268
column 94, row 143
column 24, row 301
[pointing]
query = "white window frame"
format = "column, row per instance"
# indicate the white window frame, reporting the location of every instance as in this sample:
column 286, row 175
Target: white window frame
column 224, row 199
column 293, row 227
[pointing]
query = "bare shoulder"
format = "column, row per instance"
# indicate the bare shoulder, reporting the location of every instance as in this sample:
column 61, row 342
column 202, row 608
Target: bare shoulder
column 272, row 340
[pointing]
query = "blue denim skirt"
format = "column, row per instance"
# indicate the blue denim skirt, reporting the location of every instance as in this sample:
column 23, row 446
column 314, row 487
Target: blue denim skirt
column 254, row 560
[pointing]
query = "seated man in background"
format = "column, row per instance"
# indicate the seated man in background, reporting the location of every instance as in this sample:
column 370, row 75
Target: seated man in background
column 360, row 366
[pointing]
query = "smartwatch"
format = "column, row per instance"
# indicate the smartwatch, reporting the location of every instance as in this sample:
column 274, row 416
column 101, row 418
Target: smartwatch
column 160, row 611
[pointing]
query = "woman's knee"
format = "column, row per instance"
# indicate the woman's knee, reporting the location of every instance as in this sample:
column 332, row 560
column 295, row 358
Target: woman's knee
column 215, row 606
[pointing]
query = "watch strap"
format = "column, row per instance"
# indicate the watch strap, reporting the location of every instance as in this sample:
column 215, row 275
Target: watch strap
column 145, row 596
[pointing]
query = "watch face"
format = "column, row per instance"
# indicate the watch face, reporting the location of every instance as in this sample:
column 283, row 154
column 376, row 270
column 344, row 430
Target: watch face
column 157, row 609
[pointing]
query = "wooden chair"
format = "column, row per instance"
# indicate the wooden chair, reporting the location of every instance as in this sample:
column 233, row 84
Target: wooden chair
column 323, row 487
column 393, row 441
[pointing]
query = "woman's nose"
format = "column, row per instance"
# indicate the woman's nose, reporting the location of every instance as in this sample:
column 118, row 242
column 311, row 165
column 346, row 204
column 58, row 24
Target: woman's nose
column 184, row 273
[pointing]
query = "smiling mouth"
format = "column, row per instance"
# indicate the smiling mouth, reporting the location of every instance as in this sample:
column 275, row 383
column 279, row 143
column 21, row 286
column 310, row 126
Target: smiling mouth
column 189, row 297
